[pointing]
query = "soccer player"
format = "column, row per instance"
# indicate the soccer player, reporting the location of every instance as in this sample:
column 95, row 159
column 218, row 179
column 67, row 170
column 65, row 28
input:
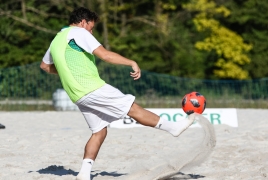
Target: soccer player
column 71, row 56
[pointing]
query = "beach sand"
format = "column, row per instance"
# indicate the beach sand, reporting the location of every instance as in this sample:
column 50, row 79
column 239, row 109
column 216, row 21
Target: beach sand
column 50, row 145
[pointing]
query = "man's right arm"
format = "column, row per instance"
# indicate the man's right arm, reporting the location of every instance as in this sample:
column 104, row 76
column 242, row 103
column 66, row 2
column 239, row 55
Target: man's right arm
column 114, row 58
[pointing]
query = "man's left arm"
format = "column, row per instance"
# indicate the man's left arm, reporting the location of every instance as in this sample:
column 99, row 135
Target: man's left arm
column 49, row 68
column 47, row 63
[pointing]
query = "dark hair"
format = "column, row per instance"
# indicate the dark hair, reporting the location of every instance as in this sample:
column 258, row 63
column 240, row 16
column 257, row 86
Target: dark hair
column 82, row 13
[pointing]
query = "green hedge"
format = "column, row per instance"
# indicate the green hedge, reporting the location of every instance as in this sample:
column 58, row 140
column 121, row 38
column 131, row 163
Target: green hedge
column 152, row 90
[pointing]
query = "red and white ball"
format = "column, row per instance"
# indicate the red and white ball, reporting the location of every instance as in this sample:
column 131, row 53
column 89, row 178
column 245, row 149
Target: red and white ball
column 193, row 102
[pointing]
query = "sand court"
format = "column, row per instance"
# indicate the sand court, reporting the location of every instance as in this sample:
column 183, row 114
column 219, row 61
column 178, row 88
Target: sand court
column 49, row 145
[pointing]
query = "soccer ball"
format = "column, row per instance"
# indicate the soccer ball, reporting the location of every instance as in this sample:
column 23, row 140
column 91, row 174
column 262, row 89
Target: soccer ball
column 193, row 102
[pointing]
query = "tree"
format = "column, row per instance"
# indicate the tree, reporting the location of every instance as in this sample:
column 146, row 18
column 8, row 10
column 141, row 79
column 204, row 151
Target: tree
column 228, row 45
column 249, row 19
column 27, row 27
column 159, row 35
column 155, row 34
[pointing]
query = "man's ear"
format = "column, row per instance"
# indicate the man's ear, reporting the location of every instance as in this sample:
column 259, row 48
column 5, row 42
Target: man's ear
column 83, row 22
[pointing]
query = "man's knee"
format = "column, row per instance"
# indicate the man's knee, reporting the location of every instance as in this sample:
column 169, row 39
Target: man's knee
column 137, row 111
column 102, row 133
column 134, row 109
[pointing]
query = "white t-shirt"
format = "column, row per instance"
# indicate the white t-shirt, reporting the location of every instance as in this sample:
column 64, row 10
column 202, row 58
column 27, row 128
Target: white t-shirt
column 83, row 39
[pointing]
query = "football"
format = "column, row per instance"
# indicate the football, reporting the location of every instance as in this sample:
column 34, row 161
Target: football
column 193, row 102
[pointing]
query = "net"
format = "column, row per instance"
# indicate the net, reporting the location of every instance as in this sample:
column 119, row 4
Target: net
column 30, row 88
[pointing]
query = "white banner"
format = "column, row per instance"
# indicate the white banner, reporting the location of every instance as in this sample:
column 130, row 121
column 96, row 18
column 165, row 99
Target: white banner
column 226, row 116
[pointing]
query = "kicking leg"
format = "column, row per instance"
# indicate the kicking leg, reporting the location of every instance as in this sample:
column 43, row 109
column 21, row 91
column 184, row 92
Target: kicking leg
column 148, row 118
column 91, row 151
column 143, row 116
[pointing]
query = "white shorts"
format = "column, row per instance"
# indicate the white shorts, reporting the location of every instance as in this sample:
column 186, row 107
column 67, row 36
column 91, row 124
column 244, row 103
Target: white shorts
column 103, row 106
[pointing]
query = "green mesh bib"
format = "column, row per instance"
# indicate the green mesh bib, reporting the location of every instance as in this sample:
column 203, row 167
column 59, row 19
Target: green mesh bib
column 76, row 68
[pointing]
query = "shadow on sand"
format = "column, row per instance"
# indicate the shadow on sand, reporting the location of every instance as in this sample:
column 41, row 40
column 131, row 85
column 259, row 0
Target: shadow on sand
column 56, row 170
column 182, row 176
column 61, row 171
column 107, row 174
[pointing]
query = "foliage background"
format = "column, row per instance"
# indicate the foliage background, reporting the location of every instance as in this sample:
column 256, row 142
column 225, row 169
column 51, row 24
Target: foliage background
column 160, row 35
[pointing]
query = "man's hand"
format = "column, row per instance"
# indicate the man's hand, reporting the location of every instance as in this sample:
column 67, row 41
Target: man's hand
column 137, row 72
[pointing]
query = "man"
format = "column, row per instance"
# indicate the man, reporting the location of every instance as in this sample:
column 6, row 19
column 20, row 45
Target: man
column 2, row 126
column 71, row 56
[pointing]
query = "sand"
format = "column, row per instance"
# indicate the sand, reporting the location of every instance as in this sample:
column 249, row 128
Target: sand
column 50, row 145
